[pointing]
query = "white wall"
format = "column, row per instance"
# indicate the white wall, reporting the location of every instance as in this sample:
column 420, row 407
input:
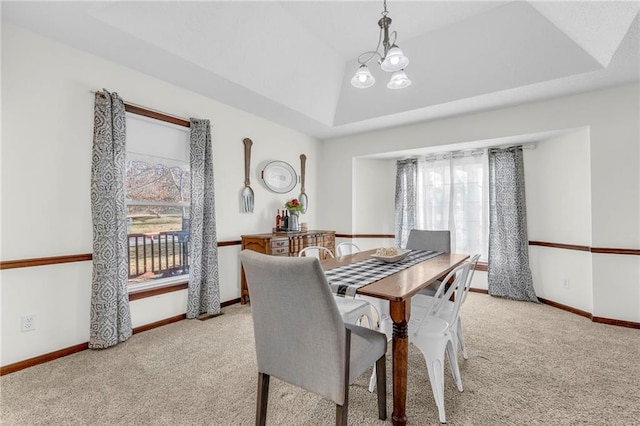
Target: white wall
column 611, row 202
column 47, row 131
column 374, row 189
column 558, row 188
column 371, row 203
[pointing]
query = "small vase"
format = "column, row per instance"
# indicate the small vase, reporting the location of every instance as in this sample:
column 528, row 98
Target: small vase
column 294, row 224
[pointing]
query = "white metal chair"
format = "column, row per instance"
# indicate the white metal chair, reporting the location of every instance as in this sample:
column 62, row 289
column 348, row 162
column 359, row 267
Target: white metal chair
column 316, row 251
column 352, row 310
column 447, row 305
column 300, row 337
column 345, row 248
column 435, row 338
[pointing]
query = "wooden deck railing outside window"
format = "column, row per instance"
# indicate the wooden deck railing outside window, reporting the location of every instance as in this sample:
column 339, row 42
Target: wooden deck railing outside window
column 159, row 255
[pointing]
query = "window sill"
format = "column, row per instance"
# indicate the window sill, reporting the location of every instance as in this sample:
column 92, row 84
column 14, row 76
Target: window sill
column 170, row 287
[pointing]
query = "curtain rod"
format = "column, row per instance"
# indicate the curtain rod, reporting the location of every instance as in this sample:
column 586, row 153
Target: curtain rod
column 151, row 113
column 531, row 145
column 473, row 152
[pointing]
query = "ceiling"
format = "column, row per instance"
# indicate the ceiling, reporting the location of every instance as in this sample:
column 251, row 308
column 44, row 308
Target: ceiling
column 291, row 62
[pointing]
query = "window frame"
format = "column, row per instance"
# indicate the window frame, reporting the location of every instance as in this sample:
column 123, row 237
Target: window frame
column 137, row 288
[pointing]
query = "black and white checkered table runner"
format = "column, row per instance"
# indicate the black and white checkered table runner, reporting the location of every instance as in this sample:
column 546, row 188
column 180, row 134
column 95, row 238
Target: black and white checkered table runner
column 345, row 280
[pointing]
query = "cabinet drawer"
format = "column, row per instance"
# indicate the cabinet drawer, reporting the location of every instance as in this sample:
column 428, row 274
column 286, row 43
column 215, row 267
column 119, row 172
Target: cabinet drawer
column 279, row 243
column 280, row 251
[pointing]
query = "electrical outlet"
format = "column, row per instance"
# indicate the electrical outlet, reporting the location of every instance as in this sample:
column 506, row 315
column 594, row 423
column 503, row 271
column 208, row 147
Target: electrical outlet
column 28, row 323
column 565, row 283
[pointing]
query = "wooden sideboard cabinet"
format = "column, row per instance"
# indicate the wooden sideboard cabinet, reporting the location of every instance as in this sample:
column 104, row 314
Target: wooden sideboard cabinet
column 283, row 244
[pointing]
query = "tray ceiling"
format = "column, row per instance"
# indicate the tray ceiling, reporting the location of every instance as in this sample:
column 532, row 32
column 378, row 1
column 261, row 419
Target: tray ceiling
column 291, row 62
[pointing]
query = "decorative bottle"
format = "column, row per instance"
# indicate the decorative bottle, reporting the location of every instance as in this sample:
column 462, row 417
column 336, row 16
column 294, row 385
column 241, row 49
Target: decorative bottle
column 285, row 221
column 278, row 219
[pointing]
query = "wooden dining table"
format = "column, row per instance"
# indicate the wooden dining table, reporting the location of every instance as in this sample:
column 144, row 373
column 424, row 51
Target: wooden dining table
column 398, row 289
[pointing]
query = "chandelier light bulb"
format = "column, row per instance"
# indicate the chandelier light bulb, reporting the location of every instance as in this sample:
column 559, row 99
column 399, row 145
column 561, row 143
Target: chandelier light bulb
column 363, row 78
column 395, row 60
column 399, row 80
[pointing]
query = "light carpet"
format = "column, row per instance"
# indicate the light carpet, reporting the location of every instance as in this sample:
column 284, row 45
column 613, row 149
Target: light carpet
column 528, row 364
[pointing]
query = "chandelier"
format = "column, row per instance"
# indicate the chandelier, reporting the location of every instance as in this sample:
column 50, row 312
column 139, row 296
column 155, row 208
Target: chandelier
column 391, row 59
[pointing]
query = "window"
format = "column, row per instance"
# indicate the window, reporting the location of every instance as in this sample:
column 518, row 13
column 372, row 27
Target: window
column 157, row 186
column 452, row 194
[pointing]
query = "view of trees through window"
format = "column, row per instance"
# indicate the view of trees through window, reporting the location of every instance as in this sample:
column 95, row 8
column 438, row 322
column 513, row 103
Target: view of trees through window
column 158, row 189
column 161, row 197
column 157, row 220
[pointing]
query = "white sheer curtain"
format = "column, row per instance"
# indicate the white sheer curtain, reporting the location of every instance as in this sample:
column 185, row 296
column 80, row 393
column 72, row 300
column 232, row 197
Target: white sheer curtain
column 452, row 194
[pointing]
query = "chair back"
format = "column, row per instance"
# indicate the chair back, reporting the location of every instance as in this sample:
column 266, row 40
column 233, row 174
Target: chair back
column 443, row 294
column 459, row 291
column 299, row 334
column 346, row 248
column 429, row 240
column 472, row 268
column 316, row 251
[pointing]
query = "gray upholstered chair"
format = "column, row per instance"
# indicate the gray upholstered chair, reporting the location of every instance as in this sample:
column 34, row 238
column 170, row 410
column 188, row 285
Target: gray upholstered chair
column 300, row 336
column 429, row 240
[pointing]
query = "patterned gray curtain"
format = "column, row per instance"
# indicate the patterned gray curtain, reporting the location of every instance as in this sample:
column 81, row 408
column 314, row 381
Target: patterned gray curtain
column 406, row 184
column 110, row 317
column 509, row 273
column 204, row 287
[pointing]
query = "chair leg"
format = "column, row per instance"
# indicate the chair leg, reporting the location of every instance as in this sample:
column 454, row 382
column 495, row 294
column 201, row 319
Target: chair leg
column 435, row 369
column 461, row 340
column 381, row 373
column 342, row 412
column 451, row 352
column 453, row 363
column 372, row 380
column 263, row 396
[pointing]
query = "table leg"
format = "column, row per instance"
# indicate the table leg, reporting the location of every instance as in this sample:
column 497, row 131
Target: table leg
column 400, row 311
column 244, row 289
